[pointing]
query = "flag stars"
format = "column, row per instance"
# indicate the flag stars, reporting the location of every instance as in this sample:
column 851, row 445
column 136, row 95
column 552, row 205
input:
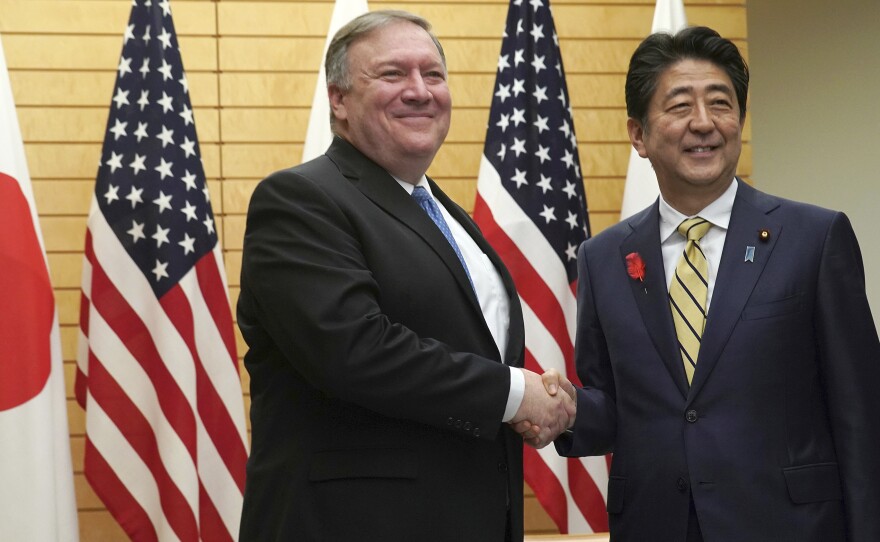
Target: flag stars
column 208, row 199
column 124, row 66
column 118, row 129
column 503, row 92
column 536, row 4
column 115, row 161
column 188, row 244
column 543, row 153
column 189, row 180
column 565, row 128
column 519, row 115
column 163, row 202
column 164, row 168
column 502, row 152
column 166, row 137
column 160, row 270
column 190, row 211
column 568, row 158
column 537, row 32
column 137, row 165
column 146, row 37
column 208, row 222
column 186, row 115
column 571, row 252
column 165, row 102
column 548, row 214
column 572, row 220
column 519, row 86
column 161, row 236
column 545, row 184
column 165, row 70
column 121, row 97
column 129, row 34
column 519, row 178
column 541, row 124
column 538, row 63
column 503, row 62
column 518, row 57
column 165, row 38
column 144, row 100
column 141, row 131
column 166, row 9
column 188, row 147
column 519, row 146
column 145, row 69
column 540, row 94
column 569, row 189
column 136, row 231
column 562, row 97
column 503, row 122
column 135, row 196
column 112, row 194
column 184, row 83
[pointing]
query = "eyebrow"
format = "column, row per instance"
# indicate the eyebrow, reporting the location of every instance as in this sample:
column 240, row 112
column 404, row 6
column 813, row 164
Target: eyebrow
column 686, row 89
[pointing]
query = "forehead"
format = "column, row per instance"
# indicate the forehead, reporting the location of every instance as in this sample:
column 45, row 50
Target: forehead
column 395, row 41
column 692, row 75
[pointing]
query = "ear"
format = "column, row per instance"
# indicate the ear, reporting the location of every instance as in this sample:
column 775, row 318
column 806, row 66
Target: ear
column 337, row 102
column 636, row 136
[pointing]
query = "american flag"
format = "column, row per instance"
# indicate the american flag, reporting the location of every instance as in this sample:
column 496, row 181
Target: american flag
column 532, row 208
column 166, row 441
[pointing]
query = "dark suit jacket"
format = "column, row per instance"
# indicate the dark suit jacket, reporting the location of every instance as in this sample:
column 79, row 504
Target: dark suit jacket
column 778, row 438
column 377, row 389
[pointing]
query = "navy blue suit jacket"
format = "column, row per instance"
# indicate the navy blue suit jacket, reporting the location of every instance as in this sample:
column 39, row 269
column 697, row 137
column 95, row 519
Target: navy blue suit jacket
column 778, row 437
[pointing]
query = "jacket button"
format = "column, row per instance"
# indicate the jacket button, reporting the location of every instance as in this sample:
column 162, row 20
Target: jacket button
column 449, row 421
column 467, row 426
column 502, row 467
column 477, row 431
column 681, row 485
column 691, row 416
column 458, row 424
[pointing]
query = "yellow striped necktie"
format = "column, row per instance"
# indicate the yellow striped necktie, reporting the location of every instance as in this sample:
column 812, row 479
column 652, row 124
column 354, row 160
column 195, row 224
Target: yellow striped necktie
column 688, row 293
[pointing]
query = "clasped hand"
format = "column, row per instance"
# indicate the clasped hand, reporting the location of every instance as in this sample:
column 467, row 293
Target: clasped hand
column 544, row 412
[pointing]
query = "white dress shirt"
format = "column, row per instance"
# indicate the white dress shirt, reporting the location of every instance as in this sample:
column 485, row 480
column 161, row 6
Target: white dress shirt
column 494, row 301
column 672, row 243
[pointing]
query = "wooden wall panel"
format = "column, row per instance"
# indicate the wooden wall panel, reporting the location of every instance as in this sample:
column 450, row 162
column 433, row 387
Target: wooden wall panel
column 252, row 67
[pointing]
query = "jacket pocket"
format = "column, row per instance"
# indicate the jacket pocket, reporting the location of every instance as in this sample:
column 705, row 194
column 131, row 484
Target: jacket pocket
column 616, row 487
column 773, row 308
column 363, row 463
column 813, row 483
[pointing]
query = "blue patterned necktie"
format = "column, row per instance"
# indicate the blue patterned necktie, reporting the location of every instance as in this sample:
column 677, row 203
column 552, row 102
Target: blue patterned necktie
column 426, row 202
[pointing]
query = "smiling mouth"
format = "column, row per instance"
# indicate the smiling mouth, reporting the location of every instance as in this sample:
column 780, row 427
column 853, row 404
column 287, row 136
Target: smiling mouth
column 705, row 148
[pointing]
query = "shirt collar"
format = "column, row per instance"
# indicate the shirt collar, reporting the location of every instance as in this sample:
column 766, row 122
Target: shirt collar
column 717, row 212
column 409, row 187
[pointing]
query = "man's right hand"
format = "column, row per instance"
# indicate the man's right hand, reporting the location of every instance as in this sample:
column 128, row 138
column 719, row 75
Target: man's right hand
column 544, row 413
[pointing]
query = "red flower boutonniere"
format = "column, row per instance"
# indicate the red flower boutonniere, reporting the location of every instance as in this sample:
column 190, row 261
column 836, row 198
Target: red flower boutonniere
column 635, row 267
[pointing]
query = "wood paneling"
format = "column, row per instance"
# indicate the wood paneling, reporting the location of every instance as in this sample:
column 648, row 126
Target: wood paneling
column 252, row 68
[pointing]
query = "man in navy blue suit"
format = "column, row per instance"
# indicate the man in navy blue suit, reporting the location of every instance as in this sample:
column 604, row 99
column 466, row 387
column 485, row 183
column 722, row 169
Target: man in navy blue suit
column 769, row 429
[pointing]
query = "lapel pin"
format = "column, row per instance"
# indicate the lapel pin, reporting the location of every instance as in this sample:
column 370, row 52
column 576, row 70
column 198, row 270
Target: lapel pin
column 764, row 235
column 750, row 254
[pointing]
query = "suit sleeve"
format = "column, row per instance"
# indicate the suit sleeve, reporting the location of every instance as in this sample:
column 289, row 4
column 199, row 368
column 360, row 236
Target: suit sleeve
column 850, row 362
column 308, row 292
column 596, row 422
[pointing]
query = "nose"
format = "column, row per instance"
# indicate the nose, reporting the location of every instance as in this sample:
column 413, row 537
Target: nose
column 701, row 121
column 416, row 91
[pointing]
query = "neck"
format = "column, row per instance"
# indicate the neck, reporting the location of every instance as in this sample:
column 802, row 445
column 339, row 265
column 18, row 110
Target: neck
column 689, row 203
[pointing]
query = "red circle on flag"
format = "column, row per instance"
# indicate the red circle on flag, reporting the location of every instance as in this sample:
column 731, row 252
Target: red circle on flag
column 28, row 306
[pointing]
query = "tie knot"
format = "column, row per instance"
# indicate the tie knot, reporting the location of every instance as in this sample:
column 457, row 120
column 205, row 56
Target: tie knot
column 693, row 229
column 420, row 194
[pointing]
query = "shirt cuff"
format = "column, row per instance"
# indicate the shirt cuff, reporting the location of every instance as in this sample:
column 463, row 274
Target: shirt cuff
column 515, row 396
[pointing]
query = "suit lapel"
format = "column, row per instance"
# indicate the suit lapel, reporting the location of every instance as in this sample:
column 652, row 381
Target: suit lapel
column 651, row 296
column 380, row 187
column 516, row 331
column 736, row 277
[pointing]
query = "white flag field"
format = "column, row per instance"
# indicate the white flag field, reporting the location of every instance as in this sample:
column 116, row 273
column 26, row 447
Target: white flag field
column 36, row 477
column 318, row 134
column 641, row 183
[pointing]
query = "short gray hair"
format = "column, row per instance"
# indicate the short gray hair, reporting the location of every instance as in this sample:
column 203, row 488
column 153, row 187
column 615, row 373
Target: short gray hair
column 336, row 62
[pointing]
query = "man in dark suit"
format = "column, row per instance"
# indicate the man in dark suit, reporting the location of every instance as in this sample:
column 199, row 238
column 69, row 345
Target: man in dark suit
column 761, row 420
column 385, row 335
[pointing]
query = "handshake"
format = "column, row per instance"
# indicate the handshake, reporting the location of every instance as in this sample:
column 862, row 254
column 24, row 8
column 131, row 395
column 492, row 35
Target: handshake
column 545, row 413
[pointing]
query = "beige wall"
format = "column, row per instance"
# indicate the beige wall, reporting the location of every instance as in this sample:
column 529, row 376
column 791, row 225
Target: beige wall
column 815, row 80
column 252, row 68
